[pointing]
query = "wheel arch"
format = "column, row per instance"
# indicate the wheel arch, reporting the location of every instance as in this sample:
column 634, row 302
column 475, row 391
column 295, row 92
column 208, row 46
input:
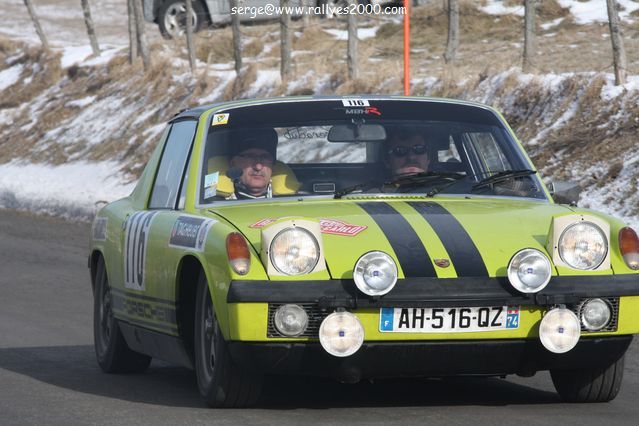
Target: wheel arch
column 188, row 272
column 94, row 258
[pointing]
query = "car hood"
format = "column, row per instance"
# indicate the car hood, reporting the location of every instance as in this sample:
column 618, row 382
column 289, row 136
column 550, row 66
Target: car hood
column 440, row 237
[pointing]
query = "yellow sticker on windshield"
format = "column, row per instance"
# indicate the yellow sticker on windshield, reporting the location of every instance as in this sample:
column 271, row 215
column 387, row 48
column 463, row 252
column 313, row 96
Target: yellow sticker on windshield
column 220, row 119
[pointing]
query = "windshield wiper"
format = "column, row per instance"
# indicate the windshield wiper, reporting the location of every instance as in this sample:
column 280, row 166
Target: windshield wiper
column 418, row 179
column 414, row 179
column 502, row 176
column 360, row 186
column 437, row 189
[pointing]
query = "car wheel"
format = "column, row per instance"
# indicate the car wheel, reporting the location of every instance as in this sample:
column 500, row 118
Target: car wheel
column 172, row 18
column 111, row 350
column 220, row 381
column 590, row 384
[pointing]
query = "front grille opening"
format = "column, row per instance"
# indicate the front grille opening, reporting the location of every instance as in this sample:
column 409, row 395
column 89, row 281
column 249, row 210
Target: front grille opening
column 613, row 302
column 315, row 318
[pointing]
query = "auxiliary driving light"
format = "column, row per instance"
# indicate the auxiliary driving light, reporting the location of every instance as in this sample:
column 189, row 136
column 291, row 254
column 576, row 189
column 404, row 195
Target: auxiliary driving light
column 341, row 334
column 559, row 330
column 595, row 314
column 290, row 320
column 375, row 273
column 529, row 271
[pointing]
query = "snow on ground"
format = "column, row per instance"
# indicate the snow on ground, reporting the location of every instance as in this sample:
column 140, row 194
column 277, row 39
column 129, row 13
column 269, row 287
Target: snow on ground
column 63, row 23
column 610, row 91
column 551, row 24
column 497, row 7
column 10, row 76
column 590, row 11
column 265, row 80
column 583, row 11
column 83, row 55
column 69, row 190
column 362, row 33
column 80, row 103
column 614, row 199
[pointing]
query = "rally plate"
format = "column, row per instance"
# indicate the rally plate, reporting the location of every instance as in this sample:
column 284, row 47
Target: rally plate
column 448, row 320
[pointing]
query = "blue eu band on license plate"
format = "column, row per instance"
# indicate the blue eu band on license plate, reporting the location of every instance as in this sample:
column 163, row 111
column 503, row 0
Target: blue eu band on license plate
column 447, row 320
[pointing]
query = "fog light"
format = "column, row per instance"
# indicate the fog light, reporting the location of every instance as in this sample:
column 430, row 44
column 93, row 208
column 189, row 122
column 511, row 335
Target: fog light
column 341, row 334
column 290, row 320
column 595, row 314
column 559, row 330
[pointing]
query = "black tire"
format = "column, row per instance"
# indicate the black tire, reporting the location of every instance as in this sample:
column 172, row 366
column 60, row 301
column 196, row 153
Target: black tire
column 172, row 17
column 591, row 384
column 111, row 350
column 221, row 382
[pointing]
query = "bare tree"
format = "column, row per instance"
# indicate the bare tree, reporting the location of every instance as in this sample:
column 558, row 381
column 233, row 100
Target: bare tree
column 237, row 38
column 90, row 28
column 285, row 36
column 618, row 49
column 529, row 35
column 139, row 25
column 36, row 23
column 306, row 18
column 190, row 47
column 351, row 54
column 453, row 31
column 133, row 32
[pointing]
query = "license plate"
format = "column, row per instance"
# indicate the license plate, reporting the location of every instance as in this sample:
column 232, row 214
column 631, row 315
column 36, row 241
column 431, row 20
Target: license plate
column 447, row 320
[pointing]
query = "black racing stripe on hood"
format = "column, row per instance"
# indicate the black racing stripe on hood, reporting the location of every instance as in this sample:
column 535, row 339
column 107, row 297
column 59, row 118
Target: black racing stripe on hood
column 411, row 253
column 460, row 247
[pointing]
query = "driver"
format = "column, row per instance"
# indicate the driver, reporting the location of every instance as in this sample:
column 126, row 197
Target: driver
column 406, row 152
column 253, row 154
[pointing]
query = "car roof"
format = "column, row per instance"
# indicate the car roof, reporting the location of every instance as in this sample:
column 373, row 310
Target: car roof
column 196, row 112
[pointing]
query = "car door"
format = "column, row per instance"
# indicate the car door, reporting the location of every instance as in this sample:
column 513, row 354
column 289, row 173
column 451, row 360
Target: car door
column 149, row 264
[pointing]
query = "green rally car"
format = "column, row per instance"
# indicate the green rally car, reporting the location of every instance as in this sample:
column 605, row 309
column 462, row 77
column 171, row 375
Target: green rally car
column 358, row 237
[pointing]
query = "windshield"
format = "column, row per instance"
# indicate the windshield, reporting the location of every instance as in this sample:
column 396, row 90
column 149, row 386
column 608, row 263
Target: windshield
column 346, row 156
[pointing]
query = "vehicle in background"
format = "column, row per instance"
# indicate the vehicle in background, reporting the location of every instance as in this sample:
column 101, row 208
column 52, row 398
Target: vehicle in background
column 170, row 15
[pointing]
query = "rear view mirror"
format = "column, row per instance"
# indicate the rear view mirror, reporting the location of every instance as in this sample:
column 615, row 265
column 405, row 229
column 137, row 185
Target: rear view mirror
column 357, row 133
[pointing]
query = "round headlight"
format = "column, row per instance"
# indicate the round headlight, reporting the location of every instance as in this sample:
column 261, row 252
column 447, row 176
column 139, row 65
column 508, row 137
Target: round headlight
column 595, row 314
column 341, row 334
column 529, row 271
column 290, row 320
column 294, row 251
column 559, row 330
column 583, row 245
column 375, row 273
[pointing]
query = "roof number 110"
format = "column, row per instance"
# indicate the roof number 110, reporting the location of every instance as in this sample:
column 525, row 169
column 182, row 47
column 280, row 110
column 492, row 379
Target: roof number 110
column 355, row 102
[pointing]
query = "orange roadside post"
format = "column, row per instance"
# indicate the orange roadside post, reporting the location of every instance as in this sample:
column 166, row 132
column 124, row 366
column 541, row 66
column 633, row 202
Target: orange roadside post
column 406, row 47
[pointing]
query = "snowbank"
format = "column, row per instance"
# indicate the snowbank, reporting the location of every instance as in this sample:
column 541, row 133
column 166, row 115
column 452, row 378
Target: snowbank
column 73, row 191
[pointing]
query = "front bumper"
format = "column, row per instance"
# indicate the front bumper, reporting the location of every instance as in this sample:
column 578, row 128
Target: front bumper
column 426, row 359
column 434, row 292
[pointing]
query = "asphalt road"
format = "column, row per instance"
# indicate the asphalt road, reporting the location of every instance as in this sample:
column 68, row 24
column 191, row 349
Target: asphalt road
column 48, row 372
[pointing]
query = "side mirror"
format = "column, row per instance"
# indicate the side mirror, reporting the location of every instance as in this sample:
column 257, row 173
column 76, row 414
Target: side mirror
column 565, row 192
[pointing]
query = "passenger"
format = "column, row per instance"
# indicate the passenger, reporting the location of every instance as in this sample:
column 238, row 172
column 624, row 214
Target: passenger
column 251, row 166
column 406, row 152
